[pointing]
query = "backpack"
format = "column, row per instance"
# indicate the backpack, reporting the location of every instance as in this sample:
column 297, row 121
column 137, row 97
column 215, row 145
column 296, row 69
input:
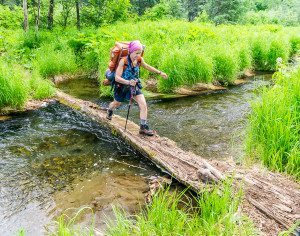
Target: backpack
column 120, row 50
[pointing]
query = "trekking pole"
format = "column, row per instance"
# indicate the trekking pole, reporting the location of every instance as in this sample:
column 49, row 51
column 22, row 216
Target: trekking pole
column 132, row 89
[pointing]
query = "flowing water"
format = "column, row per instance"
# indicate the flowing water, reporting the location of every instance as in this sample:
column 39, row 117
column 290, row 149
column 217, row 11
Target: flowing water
column 54, row 160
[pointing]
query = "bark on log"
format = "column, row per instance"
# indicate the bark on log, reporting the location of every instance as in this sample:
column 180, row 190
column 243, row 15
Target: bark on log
column 186, row 167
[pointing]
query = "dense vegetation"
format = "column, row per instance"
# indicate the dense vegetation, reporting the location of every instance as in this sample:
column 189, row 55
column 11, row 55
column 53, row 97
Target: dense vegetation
column 274, row 130
column 192, row 41
column 188, row 52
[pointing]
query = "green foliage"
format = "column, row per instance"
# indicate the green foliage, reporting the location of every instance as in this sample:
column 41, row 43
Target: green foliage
column 165, row 9
column 95, row 12
column 215, row 213
column 278, row 48
column 33, row 39
column 193, row 7
column 279, row 16
column 273, row 134
column 202, row 17
column 226, row 11
column 226, row 64
column 85, row 47
column 291, row 230
column 196, row 68
column 13, row 87
column 187, row 51
column 18, row 85
column 21, row 232
column 116, row 10
column 40, row 88
column 139, row 6
column 295, row 44
column 11, row 19
column 65, row 226
column 54, row 59
column 92, row 12
column 244, row 57
column 259, row 48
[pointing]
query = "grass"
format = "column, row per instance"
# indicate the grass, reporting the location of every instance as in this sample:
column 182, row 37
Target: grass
column 215, row 213
column 18, row 85
column 189, row 52
column 14, row 89
column 54, row 59
column 273, row 134
column 65, row 226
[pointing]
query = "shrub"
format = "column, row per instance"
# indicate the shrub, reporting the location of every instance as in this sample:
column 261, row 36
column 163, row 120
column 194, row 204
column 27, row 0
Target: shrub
column 10, row 18
column 51, row 60
column 259, row 48
column 40, row 88
column 225, row 64
column 13, row 86
column 278, row 48
column 244, row 57
column 295, row 44
column 273, row 133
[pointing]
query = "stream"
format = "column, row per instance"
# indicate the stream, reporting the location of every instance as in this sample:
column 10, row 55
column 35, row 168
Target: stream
column 56, row 160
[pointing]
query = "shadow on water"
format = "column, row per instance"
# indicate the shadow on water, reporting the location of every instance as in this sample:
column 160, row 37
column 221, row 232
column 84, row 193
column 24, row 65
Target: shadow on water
column 55, row 152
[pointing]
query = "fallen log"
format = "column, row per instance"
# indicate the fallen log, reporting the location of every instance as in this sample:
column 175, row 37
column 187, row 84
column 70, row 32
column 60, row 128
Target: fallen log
column 186, row 167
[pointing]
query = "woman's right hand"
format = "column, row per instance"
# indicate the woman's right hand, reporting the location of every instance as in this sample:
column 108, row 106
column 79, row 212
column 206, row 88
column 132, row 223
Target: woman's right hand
column 132, row 82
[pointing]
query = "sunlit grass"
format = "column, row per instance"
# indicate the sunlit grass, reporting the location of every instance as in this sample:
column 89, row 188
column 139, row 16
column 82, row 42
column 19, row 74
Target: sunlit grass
column 215, row 213
column 273, row 134
column 53, row 59
column 18, row 85
column 66, row 226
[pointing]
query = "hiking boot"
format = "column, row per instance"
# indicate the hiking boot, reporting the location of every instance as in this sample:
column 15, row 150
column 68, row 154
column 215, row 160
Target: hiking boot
column 109, row 114
column 144, row 129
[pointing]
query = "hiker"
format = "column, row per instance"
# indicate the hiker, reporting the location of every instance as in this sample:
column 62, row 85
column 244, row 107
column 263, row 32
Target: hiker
column 127, row 82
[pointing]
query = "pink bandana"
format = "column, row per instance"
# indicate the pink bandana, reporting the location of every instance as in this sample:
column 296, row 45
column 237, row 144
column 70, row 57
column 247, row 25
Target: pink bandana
column 135, row 45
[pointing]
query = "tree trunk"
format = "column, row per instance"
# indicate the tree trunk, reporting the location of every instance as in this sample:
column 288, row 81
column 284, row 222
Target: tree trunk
column 25, row 10
column 50, row 14
column 37, row 21
column 66, row 16
column 77, row 15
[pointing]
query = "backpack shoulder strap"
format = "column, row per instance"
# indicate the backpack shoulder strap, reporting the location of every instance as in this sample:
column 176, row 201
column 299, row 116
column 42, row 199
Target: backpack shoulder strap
column 139, row 61
column 125, row 63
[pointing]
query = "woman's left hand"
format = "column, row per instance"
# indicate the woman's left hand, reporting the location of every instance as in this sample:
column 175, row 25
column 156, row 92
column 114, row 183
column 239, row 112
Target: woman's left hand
column 164, row 75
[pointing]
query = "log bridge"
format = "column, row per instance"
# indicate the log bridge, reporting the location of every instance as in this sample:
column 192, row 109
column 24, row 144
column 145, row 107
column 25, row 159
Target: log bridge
column 264, row 192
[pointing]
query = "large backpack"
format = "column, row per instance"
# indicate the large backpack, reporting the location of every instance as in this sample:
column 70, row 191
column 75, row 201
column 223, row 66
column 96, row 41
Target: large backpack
column 120, row 50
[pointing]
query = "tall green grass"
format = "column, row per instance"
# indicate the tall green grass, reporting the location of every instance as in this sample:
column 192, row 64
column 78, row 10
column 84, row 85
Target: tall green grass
column 189, row 52
column 54, row 59
column 18, row 85
column 13, row 87
column 226, row 64
column 273, row 134
column 185, row 50
column 215, row 213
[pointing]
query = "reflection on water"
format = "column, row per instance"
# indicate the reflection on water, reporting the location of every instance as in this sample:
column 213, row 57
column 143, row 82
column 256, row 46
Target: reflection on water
column 43, row 153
